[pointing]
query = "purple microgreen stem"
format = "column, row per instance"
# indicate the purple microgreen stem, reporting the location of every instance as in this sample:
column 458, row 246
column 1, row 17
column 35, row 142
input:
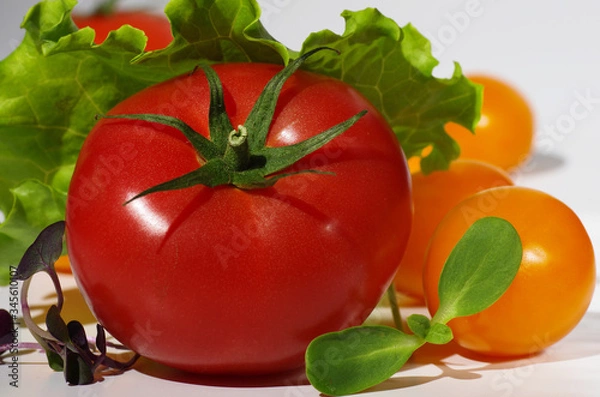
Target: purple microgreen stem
column 37, row 346
column 21, row 346
column 37, row 332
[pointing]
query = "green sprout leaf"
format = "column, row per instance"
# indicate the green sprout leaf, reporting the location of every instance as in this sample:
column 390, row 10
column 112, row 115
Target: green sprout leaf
column 479, row 269
column 432, row 332
column 357, row 358
column 55, row 361
column 419, row 325
column 439, row 334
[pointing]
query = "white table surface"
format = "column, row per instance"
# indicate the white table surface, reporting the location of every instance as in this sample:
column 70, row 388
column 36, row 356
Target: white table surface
column 547, row 49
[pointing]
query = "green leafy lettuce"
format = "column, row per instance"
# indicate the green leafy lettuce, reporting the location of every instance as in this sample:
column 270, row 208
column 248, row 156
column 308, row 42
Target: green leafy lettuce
column 57, row 80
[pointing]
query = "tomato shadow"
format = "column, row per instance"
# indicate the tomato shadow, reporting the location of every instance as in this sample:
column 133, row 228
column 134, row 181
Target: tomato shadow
column 454, row 362
column 540, row 163
column 150, row 368
column 74, row 307
column 451, row 362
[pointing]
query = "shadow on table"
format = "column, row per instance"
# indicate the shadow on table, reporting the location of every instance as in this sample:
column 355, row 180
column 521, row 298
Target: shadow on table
column 582, row 342
column 291, row 378
column 74, row 307
column 540, row 163
column 451, row 360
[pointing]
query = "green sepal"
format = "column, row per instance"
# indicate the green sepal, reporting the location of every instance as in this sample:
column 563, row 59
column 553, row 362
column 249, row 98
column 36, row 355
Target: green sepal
column 279, row 158
column 261, row 115
column 213, row 173
column 219, row 124
column 203, row 146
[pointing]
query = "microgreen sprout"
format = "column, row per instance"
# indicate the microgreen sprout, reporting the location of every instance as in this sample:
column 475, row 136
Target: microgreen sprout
column 478, row 271
column 66, row 344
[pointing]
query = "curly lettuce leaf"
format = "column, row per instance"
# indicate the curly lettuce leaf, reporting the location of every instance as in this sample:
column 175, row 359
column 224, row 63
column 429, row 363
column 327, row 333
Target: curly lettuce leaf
column 57, row 81
column 35, row 206
column 393, row 68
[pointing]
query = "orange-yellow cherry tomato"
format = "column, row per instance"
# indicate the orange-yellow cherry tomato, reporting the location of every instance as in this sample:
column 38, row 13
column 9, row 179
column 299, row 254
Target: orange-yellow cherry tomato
column 63, row 265
column 553, row 287
column 433, row 196
column 504, row 134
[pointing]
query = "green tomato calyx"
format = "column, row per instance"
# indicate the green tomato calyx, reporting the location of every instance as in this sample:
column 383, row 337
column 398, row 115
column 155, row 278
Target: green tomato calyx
column 239, row 156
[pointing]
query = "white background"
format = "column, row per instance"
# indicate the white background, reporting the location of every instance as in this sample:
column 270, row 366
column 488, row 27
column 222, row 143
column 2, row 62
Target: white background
column 547, row 49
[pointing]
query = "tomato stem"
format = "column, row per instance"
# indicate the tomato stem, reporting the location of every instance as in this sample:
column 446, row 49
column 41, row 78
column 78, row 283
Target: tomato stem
column 237, row 153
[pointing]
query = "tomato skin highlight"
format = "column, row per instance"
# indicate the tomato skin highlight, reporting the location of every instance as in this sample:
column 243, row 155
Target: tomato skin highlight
column 156, row 27
column 554, row 285
column 236, row 281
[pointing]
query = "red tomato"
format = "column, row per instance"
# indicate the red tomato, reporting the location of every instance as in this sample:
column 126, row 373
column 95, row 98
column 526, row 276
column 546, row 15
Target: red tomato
column 223, row 280
column 156, row 27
